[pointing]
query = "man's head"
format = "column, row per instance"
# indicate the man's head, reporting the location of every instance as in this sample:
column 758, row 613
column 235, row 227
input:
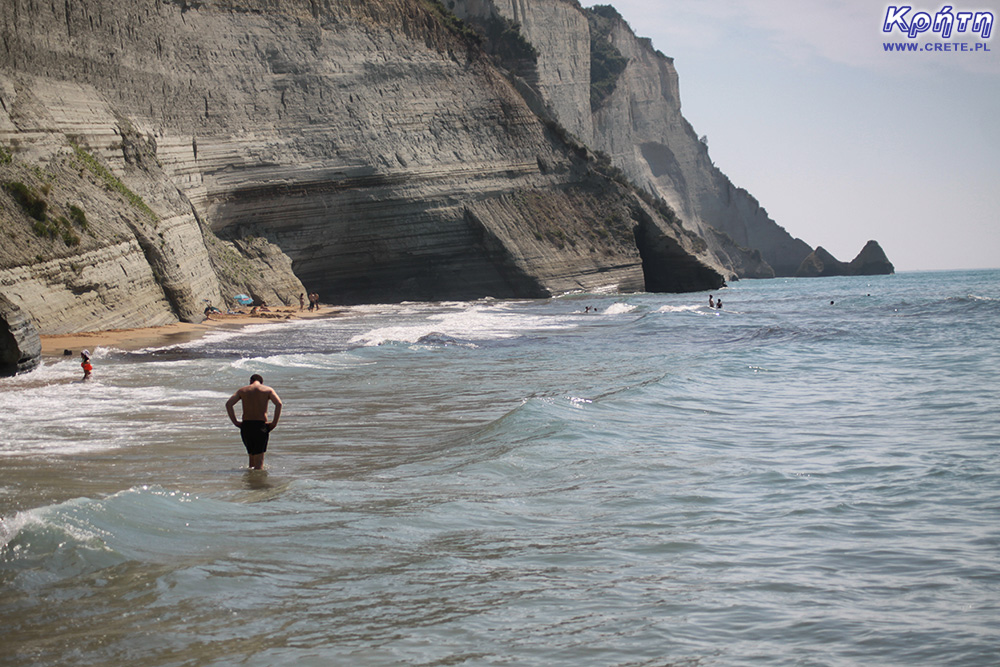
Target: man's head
column 256, row 378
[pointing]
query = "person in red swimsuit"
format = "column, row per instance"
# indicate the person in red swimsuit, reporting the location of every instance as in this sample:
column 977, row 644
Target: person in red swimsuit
column 87, row 368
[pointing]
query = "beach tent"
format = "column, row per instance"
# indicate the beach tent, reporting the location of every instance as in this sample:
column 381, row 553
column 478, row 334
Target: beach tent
column 243, row 299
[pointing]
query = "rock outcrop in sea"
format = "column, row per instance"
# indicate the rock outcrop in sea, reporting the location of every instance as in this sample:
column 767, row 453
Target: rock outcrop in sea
column 870, row 261
column 157, row 158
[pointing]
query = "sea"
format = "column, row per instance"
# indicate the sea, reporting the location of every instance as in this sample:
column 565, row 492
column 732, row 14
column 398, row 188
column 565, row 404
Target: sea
column 808, row 476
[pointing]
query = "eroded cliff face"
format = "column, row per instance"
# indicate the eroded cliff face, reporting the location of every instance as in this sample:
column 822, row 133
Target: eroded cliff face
column 20, row 346
column 639, row 126
column 117, row 244
column 360, row 149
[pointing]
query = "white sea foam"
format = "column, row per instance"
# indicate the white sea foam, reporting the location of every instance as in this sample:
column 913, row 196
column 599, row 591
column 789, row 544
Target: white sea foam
column 73, row 417
column 71, row 519
column 619, row 308
column 681, row 309
column 213, row 338
column 476, row 322
column 305, row 361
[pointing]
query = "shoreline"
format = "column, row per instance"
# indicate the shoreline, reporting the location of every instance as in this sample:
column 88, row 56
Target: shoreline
column 130, row 340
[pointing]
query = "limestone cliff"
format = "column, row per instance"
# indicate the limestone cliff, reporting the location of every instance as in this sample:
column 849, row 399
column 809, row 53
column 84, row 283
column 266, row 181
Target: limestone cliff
column 368, row 150
column 20, row 346
column 98, row 236
column 620, row 96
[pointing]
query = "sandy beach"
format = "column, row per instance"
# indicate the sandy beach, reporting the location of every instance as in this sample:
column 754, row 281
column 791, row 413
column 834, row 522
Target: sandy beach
column 170, row 334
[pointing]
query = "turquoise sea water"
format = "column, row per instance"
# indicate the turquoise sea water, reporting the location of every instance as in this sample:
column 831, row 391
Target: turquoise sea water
column 788, row 481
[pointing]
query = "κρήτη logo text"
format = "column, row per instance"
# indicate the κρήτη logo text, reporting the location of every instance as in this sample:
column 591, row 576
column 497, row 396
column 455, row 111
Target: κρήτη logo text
column 945, row 22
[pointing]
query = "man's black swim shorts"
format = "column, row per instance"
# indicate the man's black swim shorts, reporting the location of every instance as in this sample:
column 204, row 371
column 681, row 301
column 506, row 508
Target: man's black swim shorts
column 255, row 435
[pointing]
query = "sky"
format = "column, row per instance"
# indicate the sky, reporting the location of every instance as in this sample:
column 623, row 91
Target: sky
column 840, row 140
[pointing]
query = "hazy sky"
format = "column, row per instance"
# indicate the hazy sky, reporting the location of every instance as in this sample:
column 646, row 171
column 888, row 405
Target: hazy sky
column 838, row 139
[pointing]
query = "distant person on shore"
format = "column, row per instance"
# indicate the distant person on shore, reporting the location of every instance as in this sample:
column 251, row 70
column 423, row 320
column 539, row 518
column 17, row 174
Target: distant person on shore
column 87, row 368
column 711, row 302
column 255, row 430
column 314, row 301
column 302, row 301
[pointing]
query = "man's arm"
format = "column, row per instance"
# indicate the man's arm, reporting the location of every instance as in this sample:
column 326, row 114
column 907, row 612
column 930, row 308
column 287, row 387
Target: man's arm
column 277, row 408
column 229, row 408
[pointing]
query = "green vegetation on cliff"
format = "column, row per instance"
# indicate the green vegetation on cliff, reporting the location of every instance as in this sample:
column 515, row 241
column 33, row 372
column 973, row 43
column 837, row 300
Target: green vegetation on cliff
column 110, row 181
column 503, row 40
column 42, row 223
column 454, row 24
column 606, row 62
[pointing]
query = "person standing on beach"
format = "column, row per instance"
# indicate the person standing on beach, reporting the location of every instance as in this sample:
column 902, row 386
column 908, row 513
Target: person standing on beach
column 255, row 430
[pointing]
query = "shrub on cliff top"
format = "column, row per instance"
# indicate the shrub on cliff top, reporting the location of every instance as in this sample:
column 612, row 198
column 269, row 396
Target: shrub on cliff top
column 606, row 11
column 454, row 24
column 504, row 41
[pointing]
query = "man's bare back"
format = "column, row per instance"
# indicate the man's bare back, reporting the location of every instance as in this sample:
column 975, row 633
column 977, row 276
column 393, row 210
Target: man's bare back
column 254, row 426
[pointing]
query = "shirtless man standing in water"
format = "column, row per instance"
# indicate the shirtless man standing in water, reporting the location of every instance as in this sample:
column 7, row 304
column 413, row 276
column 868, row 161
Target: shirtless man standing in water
column 255, row 429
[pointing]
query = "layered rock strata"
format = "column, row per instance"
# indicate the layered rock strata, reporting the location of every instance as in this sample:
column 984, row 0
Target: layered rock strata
column 362, row 150
column 116, row 244
column 20, row 346
column 638, row 124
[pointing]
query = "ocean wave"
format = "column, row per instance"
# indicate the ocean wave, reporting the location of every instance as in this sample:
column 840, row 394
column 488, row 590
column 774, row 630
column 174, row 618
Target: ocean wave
column 43, row 546
column 49, row 372
column 687, row 308
column 620, row 308
column 782, row 334
column 212, row 338
column 434, row 339
column 84, row 535
column 315, row 361
column 62, row 418
column 467, row 325
column 953, row 306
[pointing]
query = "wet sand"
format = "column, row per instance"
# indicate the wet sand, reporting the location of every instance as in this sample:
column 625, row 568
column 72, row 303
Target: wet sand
column 167, row 335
